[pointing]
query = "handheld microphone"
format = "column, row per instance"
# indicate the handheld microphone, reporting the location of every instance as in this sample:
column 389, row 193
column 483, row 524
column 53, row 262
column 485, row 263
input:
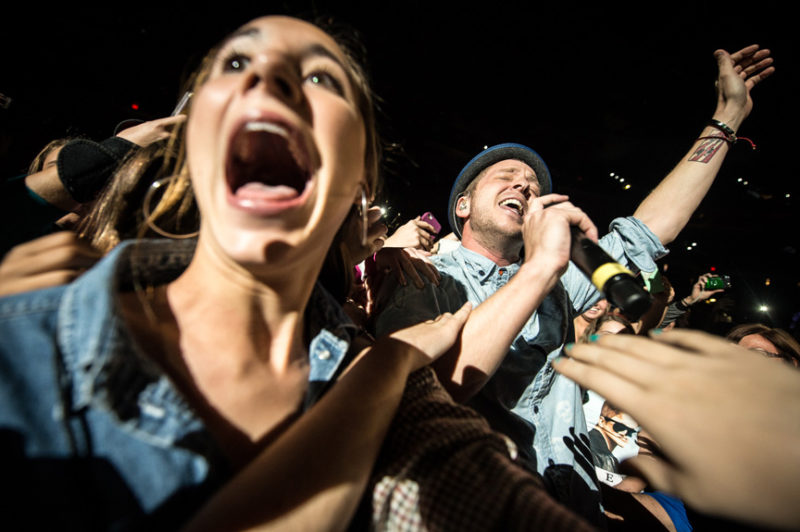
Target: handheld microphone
column 610, row 277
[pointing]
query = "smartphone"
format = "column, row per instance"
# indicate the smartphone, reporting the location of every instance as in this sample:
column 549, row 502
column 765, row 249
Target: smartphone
column 428, row 217
column 718, row 282
column 182, row 103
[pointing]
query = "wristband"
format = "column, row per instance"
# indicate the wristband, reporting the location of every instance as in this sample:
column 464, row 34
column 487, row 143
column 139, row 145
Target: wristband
column 84, row 166
column 725, row 128
column 680, row 305
column 730, row 134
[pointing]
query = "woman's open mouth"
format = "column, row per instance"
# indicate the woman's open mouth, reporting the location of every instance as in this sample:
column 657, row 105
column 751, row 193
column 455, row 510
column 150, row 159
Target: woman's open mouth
column 267, row 169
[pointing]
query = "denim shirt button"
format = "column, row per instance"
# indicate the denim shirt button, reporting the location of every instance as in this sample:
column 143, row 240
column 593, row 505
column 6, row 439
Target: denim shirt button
column 324, row 354
column 535, row 409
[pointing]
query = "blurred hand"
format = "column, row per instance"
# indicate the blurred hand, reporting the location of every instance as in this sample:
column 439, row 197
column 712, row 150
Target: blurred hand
column 153, row 131
column 48, row 261
column 721, row 415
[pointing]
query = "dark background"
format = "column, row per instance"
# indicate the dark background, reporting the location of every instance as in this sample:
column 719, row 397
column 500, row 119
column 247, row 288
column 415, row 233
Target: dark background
column 594, row 89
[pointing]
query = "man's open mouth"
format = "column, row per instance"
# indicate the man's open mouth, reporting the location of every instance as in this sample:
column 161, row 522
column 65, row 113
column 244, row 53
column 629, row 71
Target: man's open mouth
column 514, row 204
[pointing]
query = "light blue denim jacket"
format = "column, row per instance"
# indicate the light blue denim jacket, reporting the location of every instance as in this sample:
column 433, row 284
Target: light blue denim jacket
column 95, row 435
column 526, row 399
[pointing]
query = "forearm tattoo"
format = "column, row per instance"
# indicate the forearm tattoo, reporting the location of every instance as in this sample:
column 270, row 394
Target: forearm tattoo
column 709, row 147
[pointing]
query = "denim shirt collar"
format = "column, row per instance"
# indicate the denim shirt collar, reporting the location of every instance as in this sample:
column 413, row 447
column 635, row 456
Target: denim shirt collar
column 479, row 267
column 111, row 374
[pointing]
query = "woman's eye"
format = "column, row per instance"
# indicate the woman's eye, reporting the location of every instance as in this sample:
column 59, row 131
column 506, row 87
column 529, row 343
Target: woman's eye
column 236, row 63
column 326, row 80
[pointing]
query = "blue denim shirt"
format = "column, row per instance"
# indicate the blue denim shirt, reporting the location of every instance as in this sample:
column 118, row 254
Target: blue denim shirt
column 525, row 398
column 94, row 434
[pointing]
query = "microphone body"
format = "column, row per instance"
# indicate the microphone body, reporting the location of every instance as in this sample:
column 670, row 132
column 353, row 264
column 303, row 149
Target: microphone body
column 610, row 277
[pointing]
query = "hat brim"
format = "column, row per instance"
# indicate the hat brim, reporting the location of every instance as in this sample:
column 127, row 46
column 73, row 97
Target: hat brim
column 485, row 159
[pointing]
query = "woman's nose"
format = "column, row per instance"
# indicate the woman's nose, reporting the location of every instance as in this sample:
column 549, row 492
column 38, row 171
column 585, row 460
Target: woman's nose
column 278, row 77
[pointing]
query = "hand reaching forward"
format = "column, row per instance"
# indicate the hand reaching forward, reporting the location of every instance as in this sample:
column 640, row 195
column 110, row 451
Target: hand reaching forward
column 726, row 419
column 152, row 131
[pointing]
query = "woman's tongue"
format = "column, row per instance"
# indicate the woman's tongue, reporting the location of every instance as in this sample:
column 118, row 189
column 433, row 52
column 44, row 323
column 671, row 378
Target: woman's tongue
column 264, row 168
column 259, row 191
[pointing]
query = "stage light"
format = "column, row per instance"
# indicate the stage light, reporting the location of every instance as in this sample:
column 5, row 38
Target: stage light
column 763, row 308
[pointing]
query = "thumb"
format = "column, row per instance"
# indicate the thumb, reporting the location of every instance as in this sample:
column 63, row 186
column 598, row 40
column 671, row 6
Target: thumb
column 724, row 62
column 461, row 314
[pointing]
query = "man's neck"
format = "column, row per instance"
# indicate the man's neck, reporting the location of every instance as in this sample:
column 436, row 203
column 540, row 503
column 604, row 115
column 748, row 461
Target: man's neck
column 502, row 255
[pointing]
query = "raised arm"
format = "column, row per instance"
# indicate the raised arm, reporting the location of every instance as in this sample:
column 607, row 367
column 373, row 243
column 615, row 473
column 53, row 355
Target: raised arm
column 667, row 209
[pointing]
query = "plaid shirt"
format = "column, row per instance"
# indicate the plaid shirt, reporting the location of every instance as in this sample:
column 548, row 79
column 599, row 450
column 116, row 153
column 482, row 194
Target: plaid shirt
column 443, row 468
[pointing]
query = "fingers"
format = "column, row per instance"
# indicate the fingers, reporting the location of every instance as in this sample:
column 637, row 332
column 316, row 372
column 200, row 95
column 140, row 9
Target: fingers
column 586, row 226
column 658, row 473
column 460, row 316
column 537, row 203
column 643, row 371
column 373, row 214
column 742, row 54
column 700, row 343
column 752, row 64
column 408, row 267
column 424, row 225
column 579, row 219
column 168, row 120
column 613, row 387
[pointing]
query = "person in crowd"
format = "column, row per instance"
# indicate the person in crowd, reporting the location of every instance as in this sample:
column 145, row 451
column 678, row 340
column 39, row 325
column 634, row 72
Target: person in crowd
column 705, row 385
column 212, row 383
column 58, row 256
column 679, row 307
column 607, row 324
column 769, row 341
column 614, row 437
column 513, row 265
column 133, row 396
column 66, row 176
column 586, row 319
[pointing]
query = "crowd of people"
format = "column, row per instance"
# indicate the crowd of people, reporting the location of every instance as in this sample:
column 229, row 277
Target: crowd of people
column 204, row 324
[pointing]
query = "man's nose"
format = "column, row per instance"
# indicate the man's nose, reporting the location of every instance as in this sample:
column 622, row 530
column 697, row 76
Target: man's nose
column 524, row 186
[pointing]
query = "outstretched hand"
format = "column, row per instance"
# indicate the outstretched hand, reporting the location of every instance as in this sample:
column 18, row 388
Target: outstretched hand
column 152, row 131
column 723, row 418
column 738, row 74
